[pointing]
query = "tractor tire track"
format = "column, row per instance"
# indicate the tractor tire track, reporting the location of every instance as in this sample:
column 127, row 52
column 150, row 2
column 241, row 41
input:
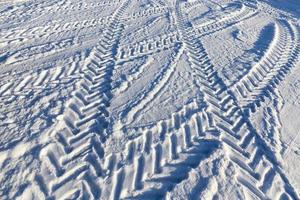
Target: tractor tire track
column 265, row 75
column 258, row 172
column 72, row 159
column 226, row 21
column 147, row 47
column 151, row 164
column 132, row 51
column 42, row 79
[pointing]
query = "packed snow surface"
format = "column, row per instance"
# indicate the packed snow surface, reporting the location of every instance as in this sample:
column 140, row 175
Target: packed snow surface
column 149, row 99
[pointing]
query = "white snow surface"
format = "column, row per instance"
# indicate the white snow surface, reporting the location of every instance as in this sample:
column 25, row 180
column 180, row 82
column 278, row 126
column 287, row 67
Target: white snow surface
column 149, row 99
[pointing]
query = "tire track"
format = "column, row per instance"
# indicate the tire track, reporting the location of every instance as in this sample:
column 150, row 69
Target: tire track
column 226, row 21
column 78, row 162
column 72, row 159
column 146, row 13
column 242, row 64
column 134, row 185
column 242, row 11
column 258, row 172
column 147, row 47
column 27, row 12
column 83, row 5
column 151, row 164
column 191, row 5
column 39, row 51
column 272, row 126
column 42, row 79
column 47, row 31
column 265, row 75
column 128, row 52
column 81, row 44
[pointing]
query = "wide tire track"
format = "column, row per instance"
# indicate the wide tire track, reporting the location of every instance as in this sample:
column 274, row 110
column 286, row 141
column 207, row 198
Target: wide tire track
column 150, row 165
column 259, row 172
column 72, row 160
column 165, row 41
column 271, row 70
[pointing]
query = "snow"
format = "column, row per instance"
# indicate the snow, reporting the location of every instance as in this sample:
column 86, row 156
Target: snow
column 149, row 99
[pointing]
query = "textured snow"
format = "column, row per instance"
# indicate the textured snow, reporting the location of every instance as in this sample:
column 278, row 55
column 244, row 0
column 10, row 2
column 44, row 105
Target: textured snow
column 149, row 99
